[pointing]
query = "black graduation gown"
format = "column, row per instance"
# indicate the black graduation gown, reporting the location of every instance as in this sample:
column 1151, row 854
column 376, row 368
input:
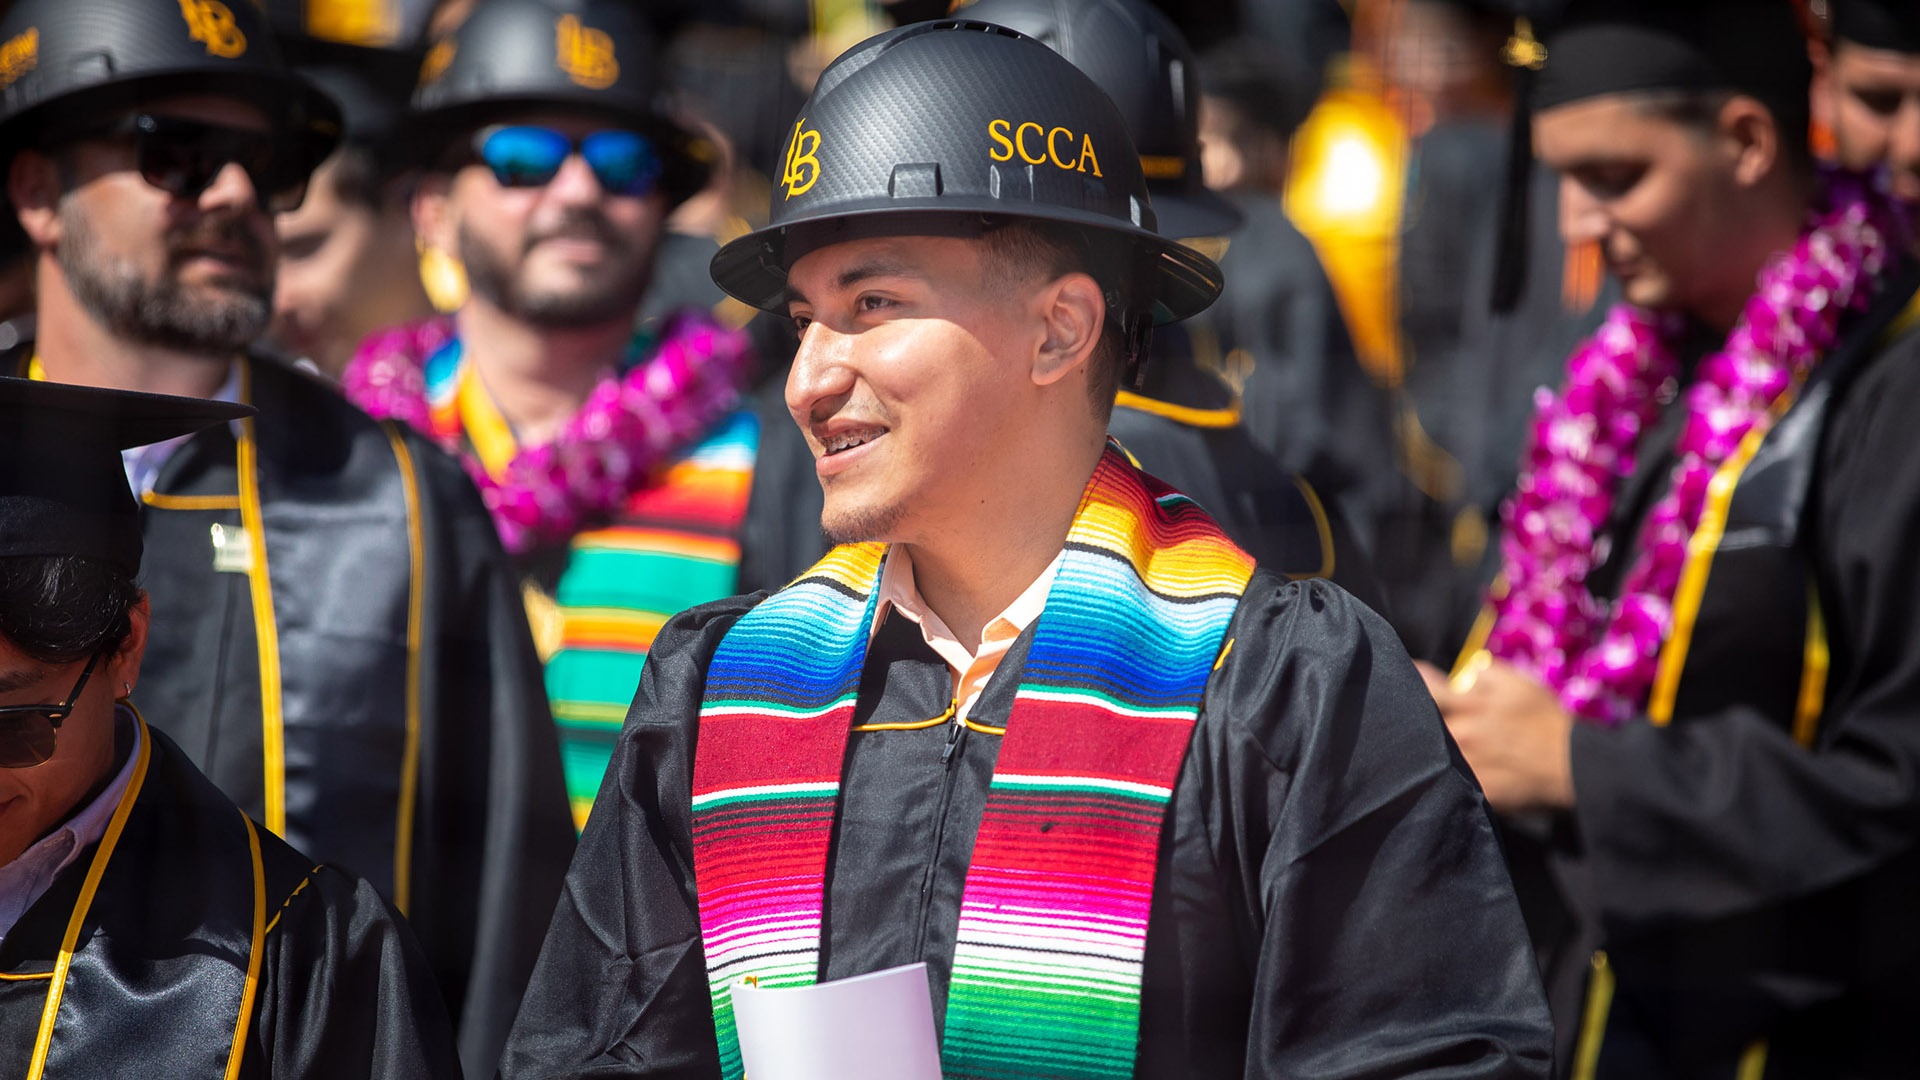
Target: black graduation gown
column 1329, row 901
column 157, row 981
column 413, row 719
column 1750, row 869
column 1179, row 428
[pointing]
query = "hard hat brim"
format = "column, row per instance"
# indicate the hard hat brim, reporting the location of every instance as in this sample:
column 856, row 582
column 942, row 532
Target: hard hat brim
column 1179, row 281
column 1187, row 215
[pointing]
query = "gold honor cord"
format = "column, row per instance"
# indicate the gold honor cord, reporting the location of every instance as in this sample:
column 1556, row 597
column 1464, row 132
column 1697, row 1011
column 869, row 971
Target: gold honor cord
column 416, row 618
column 266, row 630
column 1693, row 576
column 95, row 871
column 257, row 941
column 1179, row 414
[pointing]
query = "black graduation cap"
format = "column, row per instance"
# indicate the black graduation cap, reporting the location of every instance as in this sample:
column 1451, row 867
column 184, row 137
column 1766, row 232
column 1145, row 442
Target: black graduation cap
column 1893, row 25
column 1593, row 48
column 63, row 489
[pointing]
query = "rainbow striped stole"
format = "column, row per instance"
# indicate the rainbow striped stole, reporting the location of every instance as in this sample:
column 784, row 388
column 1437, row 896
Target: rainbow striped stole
column 1053, row 919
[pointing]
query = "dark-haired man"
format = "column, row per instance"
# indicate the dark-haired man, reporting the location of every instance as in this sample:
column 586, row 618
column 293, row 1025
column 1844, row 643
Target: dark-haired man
column 348, row 261
column 1868, row 90
column 1698, row 683
column 337, row 642
column 1142, row 808
column 145, row 921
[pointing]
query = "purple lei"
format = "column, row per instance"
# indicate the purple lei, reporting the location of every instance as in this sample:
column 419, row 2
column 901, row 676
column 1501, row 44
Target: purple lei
column 629, row 424
column 1601, row 659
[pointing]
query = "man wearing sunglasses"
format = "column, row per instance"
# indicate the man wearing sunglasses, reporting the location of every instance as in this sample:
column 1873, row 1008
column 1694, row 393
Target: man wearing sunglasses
column 618, row 464
column 144, row 920
column 336, row 642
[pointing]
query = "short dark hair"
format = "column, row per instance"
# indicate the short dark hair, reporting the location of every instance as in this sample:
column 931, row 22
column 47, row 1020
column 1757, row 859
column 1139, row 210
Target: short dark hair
column 61, row 608
column 360, row 176
column 1039, row 249
column 1699, row 110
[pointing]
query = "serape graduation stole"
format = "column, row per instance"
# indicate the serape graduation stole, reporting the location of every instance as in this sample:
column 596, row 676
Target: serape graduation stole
column 1053, row 919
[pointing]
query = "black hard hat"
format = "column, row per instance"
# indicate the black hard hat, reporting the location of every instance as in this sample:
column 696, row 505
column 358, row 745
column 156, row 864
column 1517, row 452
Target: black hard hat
column 959, row 119
column 1139, row 57
column 591, row 55
column 68, row 60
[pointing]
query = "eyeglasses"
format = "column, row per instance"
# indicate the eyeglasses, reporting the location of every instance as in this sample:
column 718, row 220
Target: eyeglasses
column 184, row 157
column 28, row 732
column 522, row 155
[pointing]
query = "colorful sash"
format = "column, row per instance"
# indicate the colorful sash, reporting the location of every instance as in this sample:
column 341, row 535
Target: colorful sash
column 1053, row 920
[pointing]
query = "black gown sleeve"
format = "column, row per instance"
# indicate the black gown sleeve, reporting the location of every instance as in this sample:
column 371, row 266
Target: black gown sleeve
column 621, row 985
column 1724, row 817
column 1389, row 940
column 346, row 992
column 493, row 832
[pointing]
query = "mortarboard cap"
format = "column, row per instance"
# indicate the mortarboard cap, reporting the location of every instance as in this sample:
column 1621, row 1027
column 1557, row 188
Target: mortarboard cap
column 63, row 489
column 1595, row 48
column 1893, row 25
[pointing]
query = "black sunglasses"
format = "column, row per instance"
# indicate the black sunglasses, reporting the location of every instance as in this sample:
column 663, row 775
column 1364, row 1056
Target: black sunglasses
column 28, row 732
column 183, row 157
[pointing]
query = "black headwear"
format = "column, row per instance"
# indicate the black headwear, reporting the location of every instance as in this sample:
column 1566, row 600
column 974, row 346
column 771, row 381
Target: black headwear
column 1595, row 48
column 71, row 63
column 940, row 124
column 588, row 55
column 1893, row 25
column 1139, row 57
column 63, row 489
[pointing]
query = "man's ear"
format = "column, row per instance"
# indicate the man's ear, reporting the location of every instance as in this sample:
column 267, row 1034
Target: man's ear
column 1074, row 311
column 123, row 667
column 433, row 218
column 34, row 186
column 1750, row 132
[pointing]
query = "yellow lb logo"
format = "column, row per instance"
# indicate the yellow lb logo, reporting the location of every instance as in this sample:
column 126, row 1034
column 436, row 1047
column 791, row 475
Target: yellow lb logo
column 439, row 59
column 585, row 54
column 19, row 55
column 210, row 22
column 803, row 163
column 1037, row 144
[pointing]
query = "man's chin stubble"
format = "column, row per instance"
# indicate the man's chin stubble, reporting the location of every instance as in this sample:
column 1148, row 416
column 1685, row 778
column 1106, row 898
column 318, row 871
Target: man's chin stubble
column 860, row 525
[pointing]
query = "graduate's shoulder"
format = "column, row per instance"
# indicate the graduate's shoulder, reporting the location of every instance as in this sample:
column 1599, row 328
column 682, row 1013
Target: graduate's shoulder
column 1308, row 665
column 681, row 650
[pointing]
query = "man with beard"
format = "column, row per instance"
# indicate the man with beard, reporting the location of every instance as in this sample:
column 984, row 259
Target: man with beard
column 336, row 641
column 617, row 464
column 1696, row 697
column 1868, row 90
column 144, row 920
column 1141, row 808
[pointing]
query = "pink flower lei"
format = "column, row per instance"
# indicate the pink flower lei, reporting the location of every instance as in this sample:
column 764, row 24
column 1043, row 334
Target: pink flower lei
column 629, row 424
column 1601, row 659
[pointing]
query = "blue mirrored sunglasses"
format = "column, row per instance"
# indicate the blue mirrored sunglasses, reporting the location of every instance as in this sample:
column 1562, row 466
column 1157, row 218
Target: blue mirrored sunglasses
column 521, row 155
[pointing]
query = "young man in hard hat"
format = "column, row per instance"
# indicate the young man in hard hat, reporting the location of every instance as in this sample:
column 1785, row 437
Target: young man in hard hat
column 1141, row 808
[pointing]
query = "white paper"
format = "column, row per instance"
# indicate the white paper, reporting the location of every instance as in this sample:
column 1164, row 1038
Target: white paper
column 870, row 1027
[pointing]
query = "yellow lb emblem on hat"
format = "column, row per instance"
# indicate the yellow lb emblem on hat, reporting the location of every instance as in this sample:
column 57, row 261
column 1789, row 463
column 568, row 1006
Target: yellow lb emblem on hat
column 19, row 55
column 585, row 54
column 803, row 164
column 210, row 22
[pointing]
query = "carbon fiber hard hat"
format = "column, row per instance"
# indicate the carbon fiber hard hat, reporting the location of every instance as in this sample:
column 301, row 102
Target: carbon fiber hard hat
column 63, row 61
column 957, row 119
column 1139, row 57
column 596, row 56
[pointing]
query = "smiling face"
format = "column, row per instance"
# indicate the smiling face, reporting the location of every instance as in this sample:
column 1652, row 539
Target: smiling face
column 563, row 253
column 195, row 274
column 36, row 800
column 1663, row 199
column 928, row 378
column 1871, row 100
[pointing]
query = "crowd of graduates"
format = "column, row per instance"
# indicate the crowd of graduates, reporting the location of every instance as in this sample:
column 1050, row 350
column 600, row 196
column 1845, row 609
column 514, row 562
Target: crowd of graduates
column 1270, row 538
